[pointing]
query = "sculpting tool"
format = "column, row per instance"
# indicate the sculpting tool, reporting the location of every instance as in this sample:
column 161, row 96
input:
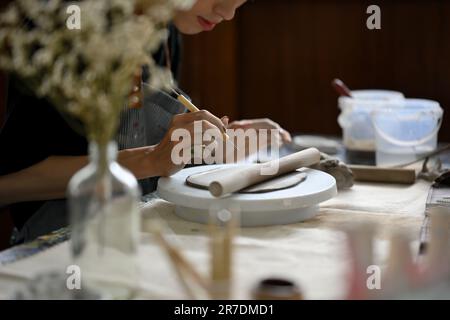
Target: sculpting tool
column 192, row 108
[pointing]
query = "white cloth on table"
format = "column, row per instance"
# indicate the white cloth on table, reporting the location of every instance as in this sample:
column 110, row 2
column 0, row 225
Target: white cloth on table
column 383, row 198
column 312, row 253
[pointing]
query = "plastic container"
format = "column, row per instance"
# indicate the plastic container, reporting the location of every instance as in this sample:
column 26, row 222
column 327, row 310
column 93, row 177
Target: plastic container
column 355, row 119
column 405, row 130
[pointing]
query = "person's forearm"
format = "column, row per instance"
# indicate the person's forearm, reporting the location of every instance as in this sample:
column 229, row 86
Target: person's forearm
column 45, row 180
column 48, row 179
column 141, row 162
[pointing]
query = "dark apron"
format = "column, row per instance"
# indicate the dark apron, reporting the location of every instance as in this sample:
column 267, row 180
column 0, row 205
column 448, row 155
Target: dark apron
column 138, row 127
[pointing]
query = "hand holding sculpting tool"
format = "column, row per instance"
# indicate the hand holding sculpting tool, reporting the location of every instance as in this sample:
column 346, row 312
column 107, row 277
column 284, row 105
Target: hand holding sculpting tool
column 192, row 108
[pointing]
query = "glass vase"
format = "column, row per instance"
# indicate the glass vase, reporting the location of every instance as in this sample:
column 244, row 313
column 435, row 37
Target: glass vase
column 105, row 223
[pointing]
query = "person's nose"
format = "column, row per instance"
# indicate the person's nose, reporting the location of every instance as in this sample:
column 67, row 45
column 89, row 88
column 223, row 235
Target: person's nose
column 226, row 9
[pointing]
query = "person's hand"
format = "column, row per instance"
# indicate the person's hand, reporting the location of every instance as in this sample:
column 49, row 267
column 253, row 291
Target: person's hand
column 162, row 152
column 282, row 137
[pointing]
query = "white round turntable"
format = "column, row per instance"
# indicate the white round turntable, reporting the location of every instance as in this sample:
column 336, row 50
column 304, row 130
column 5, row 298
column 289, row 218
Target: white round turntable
column 285, row 206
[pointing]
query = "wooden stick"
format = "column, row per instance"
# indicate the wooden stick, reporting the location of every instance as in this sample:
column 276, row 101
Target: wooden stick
column 190, row 292
column 221, row 237
column 192, row 108
column 379, row 174
column 188, row 104
column 176, row 265
column 216, row 253
column 230, row 232
column 180, row 264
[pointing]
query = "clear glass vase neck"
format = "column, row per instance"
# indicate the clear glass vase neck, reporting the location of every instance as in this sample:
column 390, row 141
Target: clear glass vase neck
column 102, row 153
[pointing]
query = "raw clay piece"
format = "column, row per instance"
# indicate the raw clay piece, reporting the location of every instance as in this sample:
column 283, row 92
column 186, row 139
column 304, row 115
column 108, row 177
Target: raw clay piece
column 338, row 169
column 203, row 180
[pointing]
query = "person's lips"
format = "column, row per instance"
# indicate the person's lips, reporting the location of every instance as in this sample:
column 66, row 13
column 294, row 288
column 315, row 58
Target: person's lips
column 206, row 24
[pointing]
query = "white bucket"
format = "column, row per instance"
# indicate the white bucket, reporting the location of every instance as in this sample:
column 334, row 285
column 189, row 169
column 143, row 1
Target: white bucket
column 406, row 130
column 355, row 118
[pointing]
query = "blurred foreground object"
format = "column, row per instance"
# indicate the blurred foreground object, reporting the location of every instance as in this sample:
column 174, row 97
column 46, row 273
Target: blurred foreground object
column 338, row 169
column 277, row 289
column 404, row 276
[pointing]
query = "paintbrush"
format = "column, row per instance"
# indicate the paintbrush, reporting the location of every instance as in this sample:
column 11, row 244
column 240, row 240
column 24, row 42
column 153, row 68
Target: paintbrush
column 192, row 108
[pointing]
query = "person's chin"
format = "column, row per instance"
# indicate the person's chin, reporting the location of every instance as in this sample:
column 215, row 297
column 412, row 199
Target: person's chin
column 192, row 30
column 189, row 28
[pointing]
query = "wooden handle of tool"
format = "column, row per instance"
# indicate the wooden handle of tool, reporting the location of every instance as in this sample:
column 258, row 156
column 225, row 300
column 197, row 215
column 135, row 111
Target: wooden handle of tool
column 192, row 108
column 386, row 175
column 189, row 105
column 262, row 172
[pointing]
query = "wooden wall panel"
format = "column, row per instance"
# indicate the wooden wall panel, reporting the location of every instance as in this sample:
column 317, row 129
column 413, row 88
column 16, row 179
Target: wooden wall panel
column 287, row 52
column 210, row 70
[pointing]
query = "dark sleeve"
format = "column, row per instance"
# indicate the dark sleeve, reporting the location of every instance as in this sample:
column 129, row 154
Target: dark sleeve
column 33, row 131
column 174, row 46
column 176, row 51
